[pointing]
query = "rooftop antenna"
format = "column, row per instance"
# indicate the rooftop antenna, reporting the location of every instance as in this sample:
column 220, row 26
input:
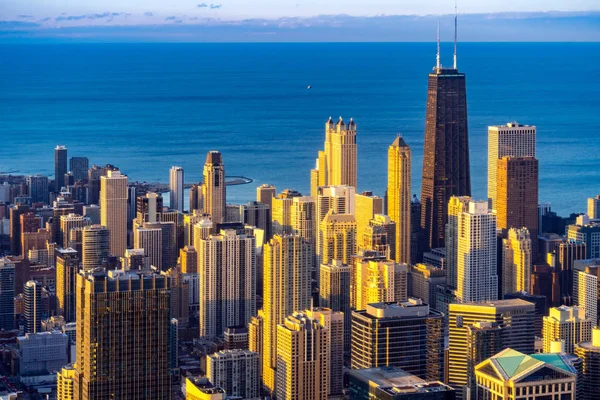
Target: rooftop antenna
column 437, row 57
column 455, row 29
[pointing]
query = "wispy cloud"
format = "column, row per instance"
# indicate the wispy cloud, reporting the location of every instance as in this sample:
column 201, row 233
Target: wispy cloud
column 215, row 6
column 109, row 16
column 148, row 14
column 202, row 5
column 171, row 18
column 24, row 16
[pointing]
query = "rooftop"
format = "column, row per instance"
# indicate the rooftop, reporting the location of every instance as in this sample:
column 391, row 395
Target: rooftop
column 513, row 364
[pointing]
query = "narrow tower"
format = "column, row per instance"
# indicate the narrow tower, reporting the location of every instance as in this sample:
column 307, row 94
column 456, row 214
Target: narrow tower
column 213, row 187
column 399, row 196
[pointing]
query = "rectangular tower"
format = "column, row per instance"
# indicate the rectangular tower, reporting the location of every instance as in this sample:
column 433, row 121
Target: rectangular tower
column 398, row 201
column 176, row 188
column 113, row 210
column 60, row 167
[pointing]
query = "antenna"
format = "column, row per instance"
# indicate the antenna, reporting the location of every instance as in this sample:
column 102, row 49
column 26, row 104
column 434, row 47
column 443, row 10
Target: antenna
column 437, row 58
column 455, row 29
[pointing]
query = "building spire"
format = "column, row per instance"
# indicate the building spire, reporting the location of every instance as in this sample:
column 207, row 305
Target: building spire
column 455, row 29
column 437, row 57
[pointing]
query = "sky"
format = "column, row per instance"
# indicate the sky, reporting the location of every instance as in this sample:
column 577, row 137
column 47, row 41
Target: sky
column 241, row 9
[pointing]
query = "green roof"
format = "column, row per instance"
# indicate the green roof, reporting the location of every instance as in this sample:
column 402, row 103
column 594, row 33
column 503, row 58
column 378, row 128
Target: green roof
column 513, row 362
column 553, row 359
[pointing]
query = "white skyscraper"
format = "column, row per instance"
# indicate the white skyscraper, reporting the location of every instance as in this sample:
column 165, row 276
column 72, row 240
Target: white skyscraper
column 176, row 188
column 476, row 254
column 236, row 371
column 512, row 140
column 113, row 210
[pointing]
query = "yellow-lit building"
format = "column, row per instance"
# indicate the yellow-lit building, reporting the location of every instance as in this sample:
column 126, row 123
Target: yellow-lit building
column 337, row 238
column 202, row 389
column 379, row 281
column 188, row 260
column 65, row 380
column 367, row 206
column 213, row 187
column 516, row 261
column 113, row 210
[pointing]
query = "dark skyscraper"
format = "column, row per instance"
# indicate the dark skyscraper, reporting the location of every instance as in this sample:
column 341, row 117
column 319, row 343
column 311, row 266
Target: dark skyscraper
column 60, row 167
column 79, row 167
column 446, row 152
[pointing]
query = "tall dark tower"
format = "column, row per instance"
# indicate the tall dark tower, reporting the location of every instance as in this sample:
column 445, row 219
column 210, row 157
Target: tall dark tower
column 60, row 167
column 446, row 153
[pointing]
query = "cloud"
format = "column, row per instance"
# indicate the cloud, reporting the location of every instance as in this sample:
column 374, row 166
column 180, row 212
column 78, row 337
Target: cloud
column 70, row 18
column 105, row 15
column 171, row 18
column 202, row 5
column 45, row 19
column 215, row 6
column 25, row 16
column 148, row 14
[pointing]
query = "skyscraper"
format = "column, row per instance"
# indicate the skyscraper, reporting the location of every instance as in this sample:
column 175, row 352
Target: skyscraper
column 334, row 292
column 477, row 278
column 337, row 238
column 213, row 187
column 406, row 334
column 517, row 262
column 265, row 194
column 95, row 246
column 79, row 167
column 32, row 306
column 367, row 205
column 456, row 205
column 593, row 209
column 398, row 200
column 60, row 167
column 281, row 212
column 378, row 281
column 236, row 371
column 67, row 266
column 68, row 222
column 113, row 210
column 287, row 261
column 303, row 359
column 227, row 269
column 446, row 168
column 585, row 287
column 379, row 235
column 589, row 352
column 176, row 188
column 7, row 294
column 511, row 140
column 150, row 240
column 569, row 324
column 38, row 188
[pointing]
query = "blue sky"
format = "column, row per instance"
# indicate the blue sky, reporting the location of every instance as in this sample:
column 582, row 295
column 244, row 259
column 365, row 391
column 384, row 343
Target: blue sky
column 239, row 9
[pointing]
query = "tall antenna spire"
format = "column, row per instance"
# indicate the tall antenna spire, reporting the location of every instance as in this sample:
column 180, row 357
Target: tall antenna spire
column 455, row 29
column 437, row 57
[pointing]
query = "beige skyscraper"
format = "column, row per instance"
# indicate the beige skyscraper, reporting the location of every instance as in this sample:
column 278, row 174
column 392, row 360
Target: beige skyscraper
column 456, row 205
column 378, row 281
column 71, row 221
column 334, row 292
column 569, row 324
column 398, row 200
column 337, row 238
column 176, row 188
column 113, row 210
column 236, row 371
column 265, row 193
column 95, row 245
column 281, row 213
column 367, row 205
column 379, row 235
column 303, row 358
column 593, row 208
column 512, row 140
column 516, row 261
column 287, row 261
column 213, row 187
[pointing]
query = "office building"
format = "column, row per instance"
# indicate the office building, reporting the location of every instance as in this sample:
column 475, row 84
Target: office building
column 517, row 262
column 436, row 257
column 95, row 246
column 446, row 168
column 79, row 167
column 593, row 207
column 15, row 213
column 513, row 317
column 67, row 267
column 134, row 259
column 126, row 363
column 213, row 187
column 366, row 205
column 588, row 233
column 398, row 201
column 188, row 260
column 60, row 167
column 541, row 304
column 569, row 324
column 265, row 194
column 303, row 359
column 281, row 212
column 393, row 383
column 159, row 241
column 32, row 306
column 148, row 208
column 484, row 339
column 7, row 294
column 456, row 206
column 337, row 238
column 406, row 334
column 287, row 261
column 512, row 140
column 227, row 269
column 42, row 353
column 379, row 235
column 113, row 210
column 236, row 371
column 334, row 293
column 31, row 241
column 176, row 188
column 477, row 278
column 236, row 338
column 203, row 389
column 68, row 222
column 422, row 281
column 65, row 382
column 92, row 212
column 589, row 353
column 513, row 375
column 37, row 187
column 568, row 252
column 378, row 281
column 585, row 287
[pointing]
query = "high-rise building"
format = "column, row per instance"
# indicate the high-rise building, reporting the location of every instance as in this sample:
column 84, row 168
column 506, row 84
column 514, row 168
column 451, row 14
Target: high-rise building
column 379, row 235
column 287, row 261
column 95, row 246
column 60, row 167
column 512, row 316
column 367, row 205
column 188, row 260
column 336, row 165
column 422, row 282
column 593, row 208
column 196, row 199
column 407, row 334
column 516, row 202
column 588, row 233
column 337, row 238
column 477, row 278
column 511, row 375
column 213, row 187
column 258, row 215
column 265, row 194
column 334, row 293
column 79, row 167
column 517, row 263
column 68, row 222
column 65, row 380
column 7, row 294
column 378, row 281
column 134, row 259
column 585, row 287
column 32, row 306
column 149, row 208
column 281, row 212
column 227, row 269
column 15, row 213
column 150, row 240
column 236, row 371
column 38, row 188
column 113, row 210
column 398, row 201
column 333, row 321
column 303, row 359
column 569, row 324
column 589, row 352
column 456, row 205
column 446, row 167
column 125, row 363
column 568, row 253
column 484, row 339
column 176, row 188
column 67, row 266
column 512, row 140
